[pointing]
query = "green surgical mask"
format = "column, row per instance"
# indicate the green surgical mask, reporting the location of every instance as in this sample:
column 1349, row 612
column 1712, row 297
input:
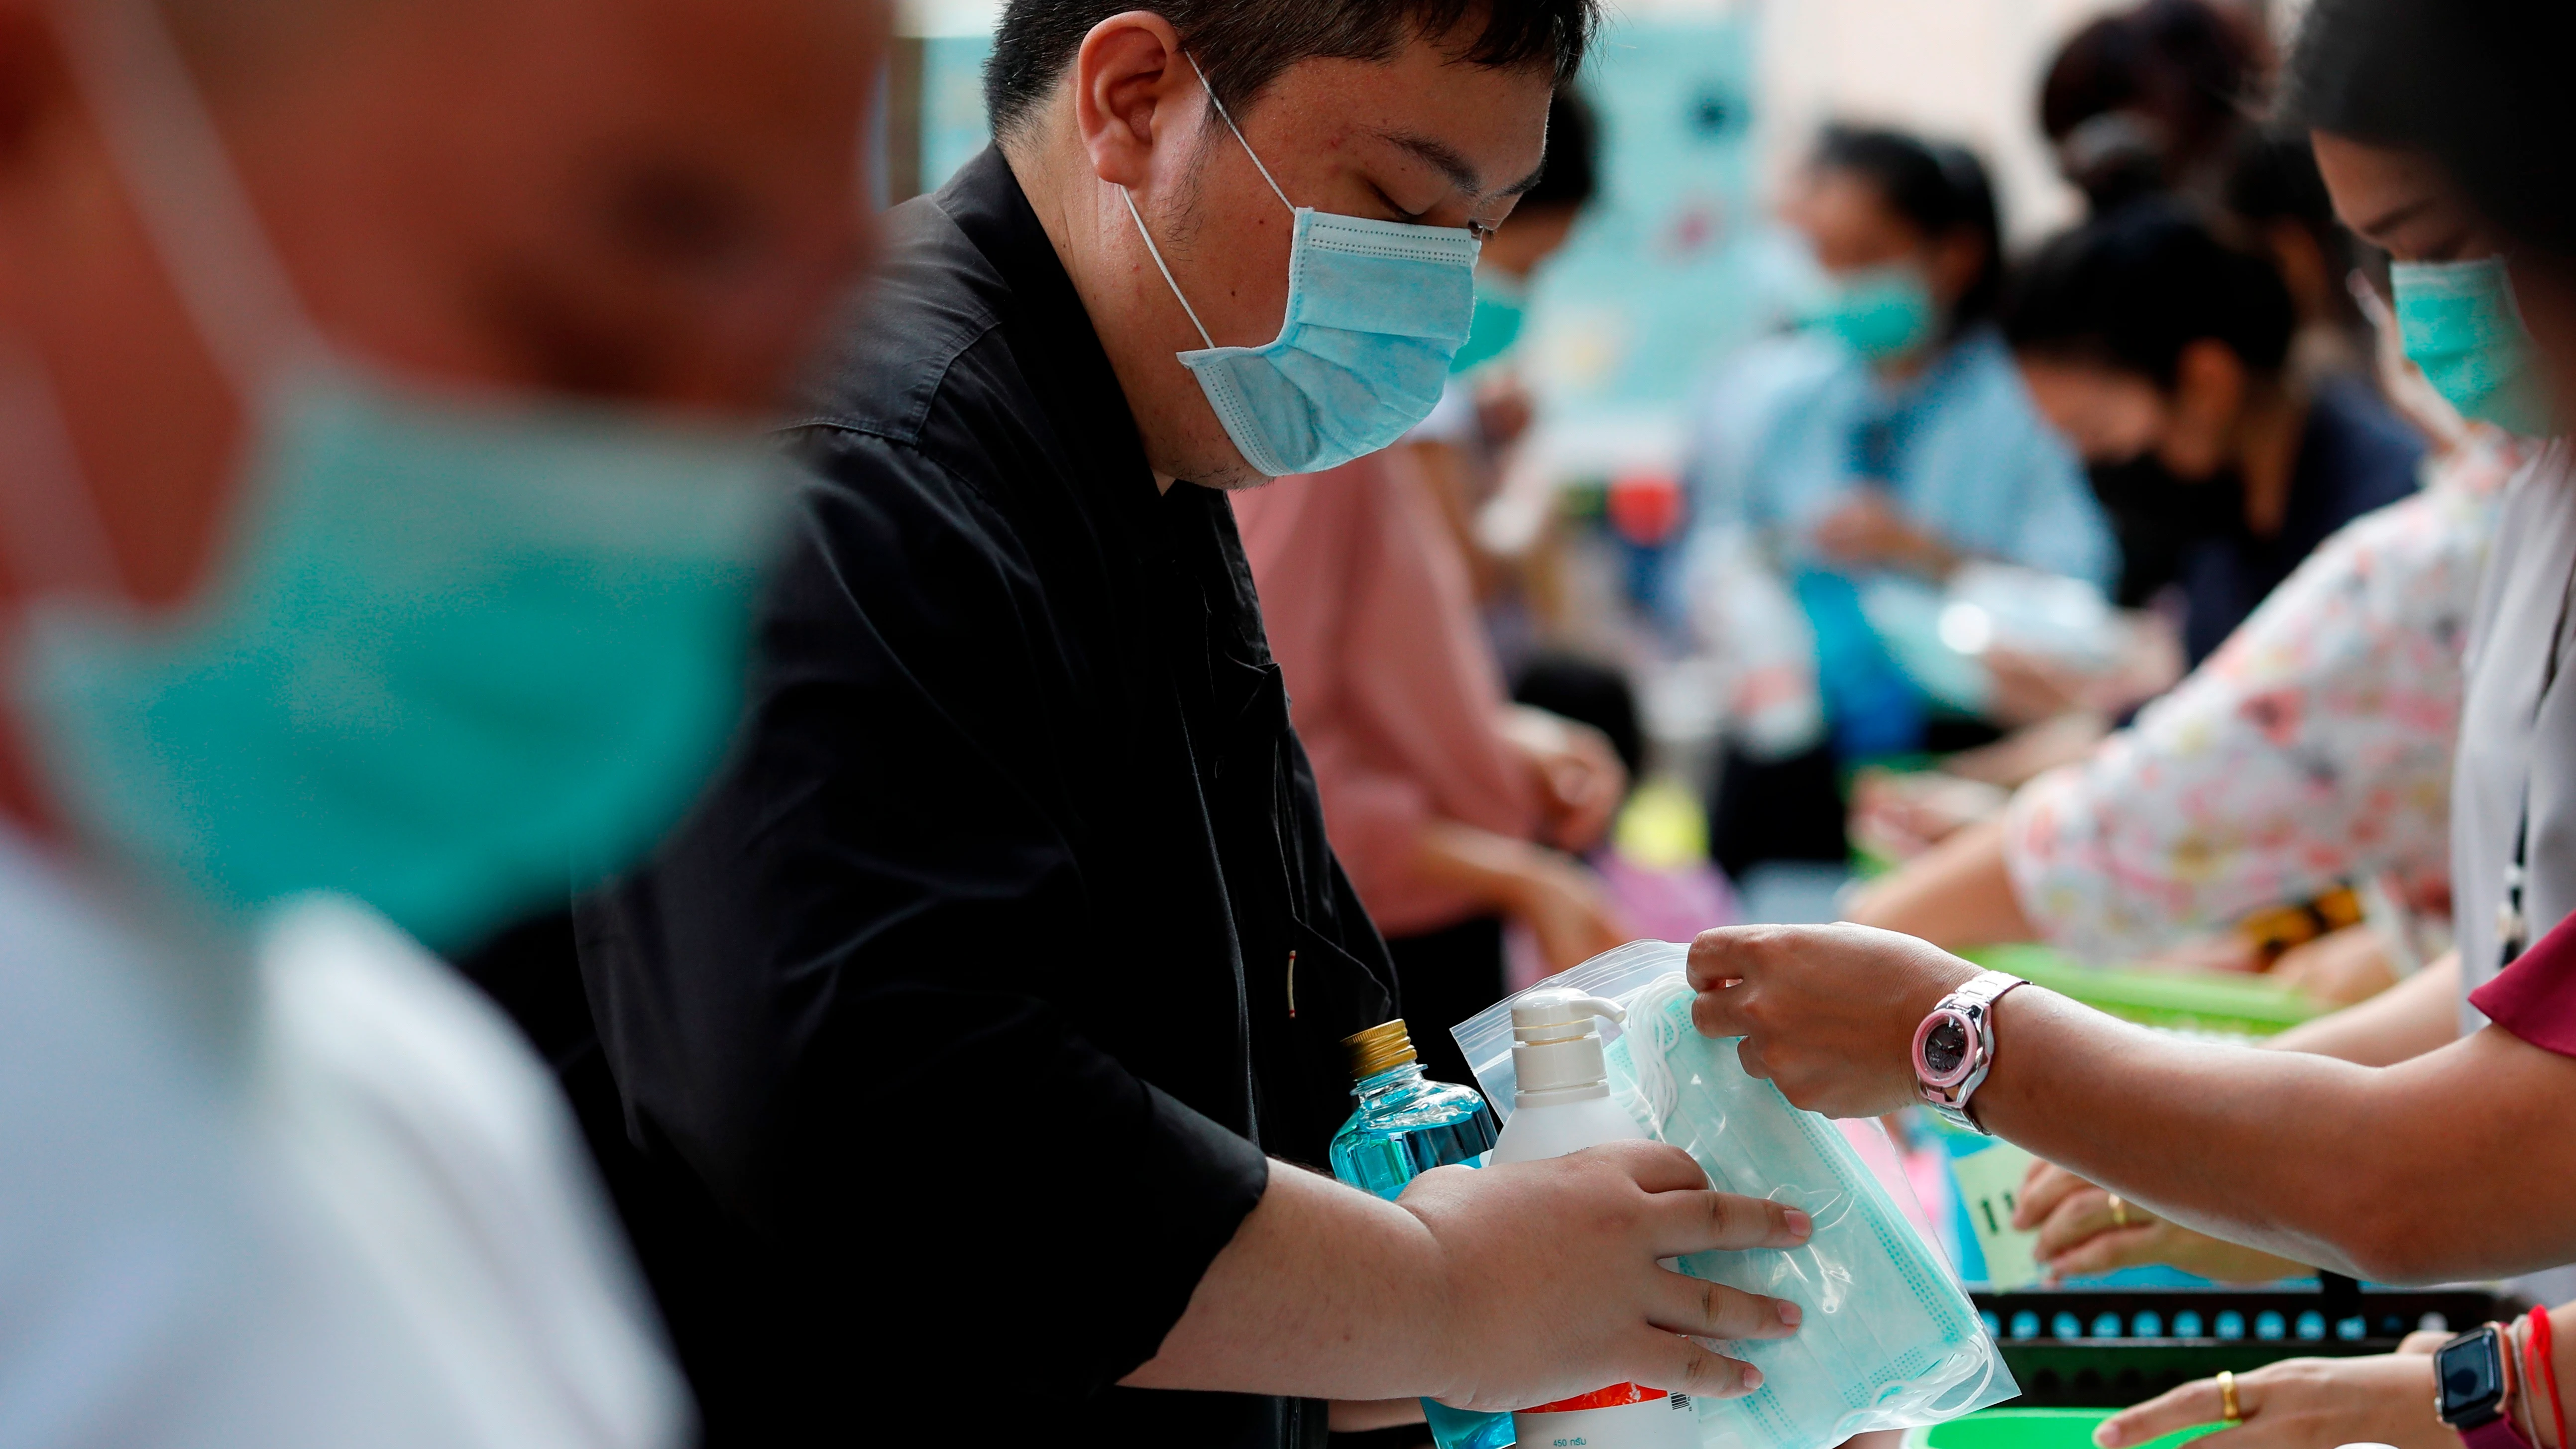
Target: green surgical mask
column 1879, row 312
column 457, row 645
column 1501, row 302
column 2459, row 324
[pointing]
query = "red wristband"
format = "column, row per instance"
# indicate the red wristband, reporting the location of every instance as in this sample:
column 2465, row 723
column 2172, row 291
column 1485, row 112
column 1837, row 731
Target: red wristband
column 2542, row 1349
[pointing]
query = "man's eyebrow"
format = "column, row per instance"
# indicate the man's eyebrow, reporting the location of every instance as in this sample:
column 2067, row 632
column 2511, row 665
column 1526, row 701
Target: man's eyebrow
column 1442, row 157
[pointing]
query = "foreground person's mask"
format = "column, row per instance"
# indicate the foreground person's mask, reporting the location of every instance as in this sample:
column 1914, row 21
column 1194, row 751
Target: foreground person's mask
column 2458, row 323
column 1376, row 309
column 457, row 644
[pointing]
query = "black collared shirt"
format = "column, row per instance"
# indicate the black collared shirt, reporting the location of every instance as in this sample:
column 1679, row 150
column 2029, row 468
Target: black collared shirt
column 951, row 1031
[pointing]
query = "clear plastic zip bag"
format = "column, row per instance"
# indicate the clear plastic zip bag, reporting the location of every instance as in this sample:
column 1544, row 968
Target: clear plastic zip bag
column 1889, row 1339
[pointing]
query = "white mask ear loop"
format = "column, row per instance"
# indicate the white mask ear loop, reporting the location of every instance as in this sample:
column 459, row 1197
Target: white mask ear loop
column 1222, row 115
column 1157, row 252
column 201, row 221
column 56, row 542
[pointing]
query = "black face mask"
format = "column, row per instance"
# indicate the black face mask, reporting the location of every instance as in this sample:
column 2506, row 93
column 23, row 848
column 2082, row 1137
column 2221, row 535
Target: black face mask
column 2157, row 515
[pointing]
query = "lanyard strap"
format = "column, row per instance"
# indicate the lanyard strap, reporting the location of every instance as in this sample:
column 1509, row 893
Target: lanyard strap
column 2513, row 928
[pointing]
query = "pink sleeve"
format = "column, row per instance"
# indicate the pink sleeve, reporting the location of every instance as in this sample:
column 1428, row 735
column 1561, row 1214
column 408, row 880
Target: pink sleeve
column 2535, row 997
column 1390, row 680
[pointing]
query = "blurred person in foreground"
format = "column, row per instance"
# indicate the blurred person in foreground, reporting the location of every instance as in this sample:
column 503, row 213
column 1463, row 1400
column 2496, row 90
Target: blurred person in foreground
column 384, row 514
column 1453, row 808
column 1885, row 445
column 1017, row 886
column 2437, row 1149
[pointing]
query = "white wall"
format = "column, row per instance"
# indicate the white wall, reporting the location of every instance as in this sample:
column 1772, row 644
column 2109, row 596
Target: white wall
column 1957, row 70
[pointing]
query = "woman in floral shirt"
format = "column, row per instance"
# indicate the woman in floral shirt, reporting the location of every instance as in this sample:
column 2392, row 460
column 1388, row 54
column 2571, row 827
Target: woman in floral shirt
column 2313, row 749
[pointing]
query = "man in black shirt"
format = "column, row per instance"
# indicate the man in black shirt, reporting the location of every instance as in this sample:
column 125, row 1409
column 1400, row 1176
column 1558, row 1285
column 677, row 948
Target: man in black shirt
column 953, row 1039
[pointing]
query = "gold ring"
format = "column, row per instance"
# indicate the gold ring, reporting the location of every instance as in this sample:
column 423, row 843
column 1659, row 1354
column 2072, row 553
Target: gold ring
column 2227, row 1409
column 2120, row 1219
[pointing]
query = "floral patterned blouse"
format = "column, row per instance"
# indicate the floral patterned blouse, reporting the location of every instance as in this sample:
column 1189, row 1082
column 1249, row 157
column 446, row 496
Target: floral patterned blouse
column 2313, row 748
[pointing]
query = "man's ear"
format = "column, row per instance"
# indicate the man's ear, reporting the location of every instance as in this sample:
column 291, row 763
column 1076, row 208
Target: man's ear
column 1131, row 89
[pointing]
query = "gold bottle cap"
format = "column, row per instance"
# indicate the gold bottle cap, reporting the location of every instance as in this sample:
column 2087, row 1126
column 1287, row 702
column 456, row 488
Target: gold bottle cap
column 1380, row 1048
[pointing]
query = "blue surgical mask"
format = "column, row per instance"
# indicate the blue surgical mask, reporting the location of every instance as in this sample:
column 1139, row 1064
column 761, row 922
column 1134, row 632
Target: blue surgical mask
column 1376, row 309
column 1501, row 303
column 1879, row 312
column 2459, row 324
column 458, row 645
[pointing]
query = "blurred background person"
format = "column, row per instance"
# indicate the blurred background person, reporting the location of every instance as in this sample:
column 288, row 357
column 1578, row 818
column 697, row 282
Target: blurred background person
column 2162, row 356
column 2150, row 100
column 1453, row 809
column 383, row 521
column 1889, row 441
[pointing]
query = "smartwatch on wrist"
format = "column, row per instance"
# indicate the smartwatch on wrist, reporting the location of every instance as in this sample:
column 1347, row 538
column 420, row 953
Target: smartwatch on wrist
column 2472, row 1383
column 1954, row 1048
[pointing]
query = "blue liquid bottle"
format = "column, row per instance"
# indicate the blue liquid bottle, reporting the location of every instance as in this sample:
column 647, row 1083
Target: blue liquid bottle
column 1406, row 1125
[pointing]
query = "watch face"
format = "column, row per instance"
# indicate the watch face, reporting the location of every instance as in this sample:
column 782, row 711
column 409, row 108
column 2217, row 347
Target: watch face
column 2470, row 1374
column 1943, row 1049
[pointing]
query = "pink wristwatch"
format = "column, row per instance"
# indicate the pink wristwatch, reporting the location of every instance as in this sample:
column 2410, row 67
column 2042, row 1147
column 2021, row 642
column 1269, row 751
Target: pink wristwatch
column 1954, row 1048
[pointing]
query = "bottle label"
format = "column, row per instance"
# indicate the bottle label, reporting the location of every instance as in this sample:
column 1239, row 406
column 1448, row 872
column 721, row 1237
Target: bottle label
column 1622, row 1416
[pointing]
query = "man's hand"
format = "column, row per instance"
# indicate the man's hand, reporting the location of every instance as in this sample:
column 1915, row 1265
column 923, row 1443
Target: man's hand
column 1579, row 777
column 1826, row 1012
column 1553, row 1285
column 2300, row 1403
column 2082, row 1233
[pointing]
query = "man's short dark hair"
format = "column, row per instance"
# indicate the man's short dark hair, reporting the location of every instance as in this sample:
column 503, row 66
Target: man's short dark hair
column 1244, row 45
column 2130, row 292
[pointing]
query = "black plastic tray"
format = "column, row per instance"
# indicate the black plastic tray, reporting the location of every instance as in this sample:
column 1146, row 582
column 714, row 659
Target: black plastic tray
column 2079, row 1348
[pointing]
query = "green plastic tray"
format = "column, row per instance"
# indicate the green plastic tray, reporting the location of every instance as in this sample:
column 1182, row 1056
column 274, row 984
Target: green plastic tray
column 2231, row 1005
column 2032, row 1429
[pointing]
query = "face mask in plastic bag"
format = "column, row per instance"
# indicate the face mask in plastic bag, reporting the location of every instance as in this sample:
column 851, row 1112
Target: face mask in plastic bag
column 1889, row 1339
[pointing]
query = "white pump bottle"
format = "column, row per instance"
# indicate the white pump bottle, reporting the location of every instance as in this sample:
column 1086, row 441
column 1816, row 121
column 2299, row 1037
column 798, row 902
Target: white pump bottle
column 1563, row 1104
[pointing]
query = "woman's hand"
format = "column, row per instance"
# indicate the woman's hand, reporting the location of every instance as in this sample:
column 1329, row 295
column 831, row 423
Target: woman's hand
column 1826, row 1012
column 2300, row 1403
column 1580, row 780
column 1564, row 906
column 2081, row 1232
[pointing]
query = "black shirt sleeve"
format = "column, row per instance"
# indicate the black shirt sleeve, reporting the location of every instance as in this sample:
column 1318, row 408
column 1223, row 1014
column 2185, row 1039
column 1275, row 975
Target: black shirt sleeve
column 821, row 994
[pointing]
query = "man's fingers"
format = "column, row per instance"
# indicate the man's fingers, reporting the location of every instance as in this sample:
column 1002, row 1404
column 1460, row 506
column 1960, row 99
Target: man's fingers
column 1699, row 1222
column 1713, row 1310
column 2193, row 1403
column 1674, row 1364
column 2042, row 1189
column 1657, row 1167
column 1754, row 1064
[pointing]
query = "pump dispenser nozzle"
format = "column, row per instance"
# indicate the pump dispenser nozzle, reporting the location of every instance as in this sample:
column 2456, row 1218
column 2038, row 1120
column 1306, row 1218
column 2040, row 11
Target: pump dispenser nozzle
column 1556, row 1048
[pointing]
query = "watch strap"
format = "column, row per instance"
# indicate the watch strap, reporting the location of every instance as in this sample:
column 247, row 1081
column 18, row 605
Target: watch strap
column 2495, row 1433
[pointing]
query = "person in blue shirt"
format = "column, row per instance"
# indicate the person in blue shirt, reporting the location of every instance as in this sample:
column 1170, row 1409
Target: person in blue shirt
column 1892, row 435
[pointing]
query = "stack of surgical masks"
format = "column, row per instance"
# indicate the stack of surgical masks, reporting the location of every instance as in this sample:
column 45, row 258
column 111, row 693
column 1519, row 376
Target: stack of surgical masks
column 1889, row 1340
